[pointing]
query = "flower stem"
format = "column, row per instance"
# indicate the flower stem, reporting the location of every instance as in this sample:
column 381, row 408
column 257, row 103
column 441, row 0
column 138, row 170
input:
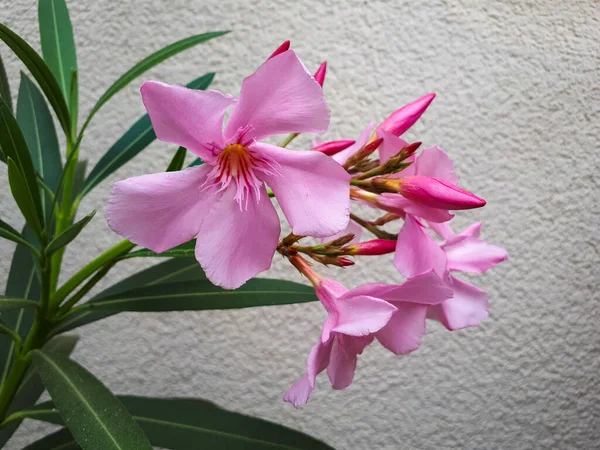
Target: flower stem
column 381, row 234
column 288, row 139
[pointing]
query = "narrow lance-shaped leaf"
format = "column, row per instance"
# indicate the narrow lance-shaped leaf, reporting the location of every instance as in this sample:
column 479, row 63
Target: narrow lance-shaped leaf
column 196, row 162
column 178, row 160
column 23, row 196
column 79, row 177
column 181, row 251
column 95, row 417
column 37, row 126
column 149, row 62
column 31, row 387
column 13, row 146
column 171, row 271
column 8, row 232
column 4, row 86
column 59, row 440
column 69, row 234
column 185, row 423
column 136, row 139
column 40, row 72
column 8, row 303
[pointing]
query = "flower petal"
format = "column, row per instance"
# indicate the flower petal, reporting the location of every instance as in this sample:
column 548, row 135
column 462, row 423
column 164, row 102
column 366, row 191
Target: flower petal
column 344, row 155
column 443, row 230
column 318, row 360
column 186, row 117
column 236, row 243
column 417, row 252
column 342, row 365
column 299, row 393
column 390, row 146
column 435, row 162
column 397, row 204
column 467, row 308
column 161, row 210
column 280, row 97
column 362, row 315
column 404, row 331
column 312, row 189
column 473, row 255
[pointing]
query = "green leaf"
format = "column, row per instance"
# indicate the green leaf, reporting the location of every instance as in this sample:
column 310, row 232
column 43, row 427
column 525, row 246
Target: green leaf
column 202, row 295
column 182, row 424
column 196, row 162
column 8, row 303
column 59, row 440
column 13, row 146
column 5, row 87
column 69, row 234
column 23, row 196
column 37, row 126
column 74, row 102
column 32, row 387
column 136, row 139
column 97, row 419
column 149, row 62
column 181, row 251
column 178, row 160
column 171, row 271
column 79, row 177
column 8, row 232
column 58, row 44
column 40, row 72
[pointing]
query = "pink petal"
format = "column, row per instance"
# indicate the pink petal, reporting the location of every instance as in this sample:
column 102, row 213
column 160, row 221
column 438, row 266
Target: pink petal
column 344, row 155
column 362, row 315
column 404, row 331
column 328, row 291
column 437, row 193
column 473, row 230
column 284, row 47
column 299, row 393
column 473, row 255
column 390, row 146
column 312, row 189
column 404, row 118
column 234, row 243
column 443, row 230
column 352, row 228
column 280, row 97
column 435, row 162
column 468, row 308
column 161, row 210
column 397, row 204
column 318, row 360
column 342, row 365
column 417, row 252
column 186, row 117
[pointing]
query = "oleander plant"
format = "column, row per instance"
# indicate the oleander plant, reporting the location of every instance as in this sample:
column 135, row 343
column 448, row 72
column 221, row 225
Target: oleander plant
column 214, row 227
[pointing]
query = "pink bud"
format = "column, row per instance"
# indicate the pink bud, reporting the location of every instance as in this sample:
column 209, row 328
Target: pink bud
column 320, row 73
column 437, row 193
column 282, row 48
column 333, row 147
column 404, row 118
column 372, row 248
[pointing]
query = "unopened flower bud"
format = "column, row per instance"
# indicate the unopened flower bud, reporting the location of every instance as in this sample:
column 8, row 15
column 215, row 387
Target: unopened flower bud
column 363, row 153
column 320, row 73
column 341, row 241
column 409, row 150
column 372, row 248
column 282, row 48
column 404, row 118
column 332, row 260
column 333, row 147
column 437, row 193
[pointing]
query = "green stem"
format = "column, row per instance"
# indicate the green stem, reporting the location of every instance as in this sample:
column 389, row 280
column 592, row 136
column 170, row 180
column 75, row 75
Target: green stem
column 381, row 234
column 288, row 139
column 89, row 269
column 13, row 335
column 85, row 289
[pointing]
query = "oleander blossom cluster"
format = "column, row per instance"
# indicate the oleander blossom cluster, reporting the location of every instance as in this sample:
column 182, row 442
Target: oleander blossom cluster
column 225, row 204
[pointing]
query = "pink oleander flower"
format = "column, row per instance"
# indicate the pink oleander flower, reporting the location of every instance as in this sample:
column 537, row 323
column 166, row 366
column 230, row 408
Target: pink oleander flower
column 224, row 202
column 404, row 118
column 356, row 317
column 417, row 252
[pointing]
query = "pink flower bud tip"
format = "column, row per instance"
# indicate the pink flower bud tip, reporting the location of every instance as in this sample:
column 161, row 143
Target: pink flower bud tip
column 372, row 146
column 333, row 147
column 343, row 262
column 282, row 48
column 437, row 193
column 320, row 73
column 410, row 149
column 373, row 248
column 404, row 118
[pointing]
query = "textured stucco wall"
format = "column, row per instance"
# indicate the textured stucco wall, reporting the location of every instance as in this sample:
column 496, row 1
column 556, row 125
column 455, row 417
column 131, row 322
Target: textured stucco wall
column 518, row 110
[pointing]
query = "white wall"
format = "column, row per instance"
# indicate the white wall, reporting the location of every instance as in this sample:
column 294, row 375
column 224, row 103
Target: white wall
column 518, row 110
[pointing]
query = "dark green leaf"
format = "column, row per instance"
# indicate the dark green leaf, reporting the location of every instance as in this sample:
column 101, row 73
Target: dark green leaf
column 35, row 121
column 182, row 424
column 8, row 303
column 136, row 139
column 181, row 251
column 32, row 387
column 196, row 162
column 4, row 86
column 69, row 234
column 59, row 440
column 202, row 295
column 23, row 196
column 96, row 418
column 149, row 62
column 8, row 232
column 74, row 102
column 58, row 44
column 178, row 160
column 13, row 146
column 40, row 72
column 171, row 271
column 79, row 178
